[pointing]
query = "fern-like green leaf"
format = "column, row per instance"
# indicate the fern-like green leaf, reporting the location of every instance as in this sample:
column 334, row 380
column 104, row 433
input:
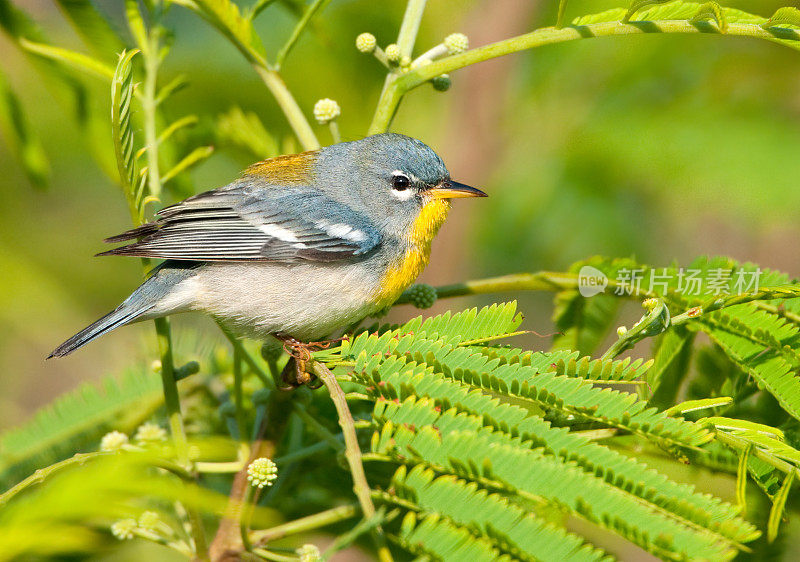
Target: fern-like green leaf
column 618, row 470
column 122, row 131
column 512, row 530
column 449, row 444
column 76, row 419
column 763, row 344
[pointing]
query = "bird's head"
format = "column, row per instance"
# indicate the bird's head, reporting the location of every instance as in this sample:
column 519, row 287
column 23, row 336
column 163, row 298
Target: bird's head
column 402, row 183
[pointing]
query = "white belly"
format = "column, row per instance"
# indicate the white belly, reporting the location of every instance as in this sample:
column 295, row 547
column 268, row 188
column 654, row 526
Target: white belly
column 306, row 301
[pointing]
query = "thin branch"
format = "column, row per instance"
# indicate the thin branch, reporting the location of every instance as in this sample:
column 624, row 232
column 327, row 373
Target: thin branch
column 353, row 454
column 410, row 26
column 40, row 475
column 297, row 120
column 399, row 86
column 245, row 356
column 151, row 52
column 322, row 519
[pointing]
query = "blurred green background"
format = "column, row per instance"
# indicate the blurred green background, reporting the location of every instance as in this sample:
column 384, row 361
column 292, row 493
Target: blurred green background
column 660, row 147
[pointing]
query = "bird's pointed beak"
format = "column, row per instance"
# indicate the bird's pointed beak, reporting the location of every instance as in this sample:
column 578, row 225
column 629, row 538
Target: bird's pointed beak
column 450, row 189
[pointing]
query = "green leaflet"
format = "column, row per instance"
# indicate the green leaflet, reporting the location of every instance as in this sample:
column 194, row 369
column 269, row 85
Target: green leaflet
column 762, row 344
column 515, row 531
column 669, row 11
column 133, row 186
column 778, row 503
column 615, row 469
column 76, row 418
column 504, row 463
column 437, row 537
column 540, row 382
column 784, row 17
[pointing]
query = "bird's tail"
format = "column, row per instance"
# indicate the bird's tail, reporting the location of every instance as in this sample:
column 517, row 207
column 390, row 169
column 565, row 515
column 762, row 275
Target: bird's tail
column 146, row 302
column 123, row 314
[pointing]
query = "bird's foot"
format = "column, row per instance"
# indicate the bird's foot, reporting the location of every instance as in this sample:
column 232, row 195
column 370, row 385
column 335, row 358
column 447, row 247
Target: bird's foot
column 296, row 373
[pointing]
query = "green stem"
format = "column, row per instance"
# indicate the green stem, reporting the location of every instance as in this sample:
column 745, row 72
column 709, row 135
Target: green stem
column 245, row 516
column 410, row 26
column 562, row 8
column 541, row 281
column 391, row 96
column 321, row 431
column 238, row 398
column 151, row 56
column 273, row 80
column 298, row 30
column 40, row 475
column 741, row 445
column 353, row 455
column 304, row 453
column 228, row 467
column 303, row 524
column 245, row 356
column 289, row 106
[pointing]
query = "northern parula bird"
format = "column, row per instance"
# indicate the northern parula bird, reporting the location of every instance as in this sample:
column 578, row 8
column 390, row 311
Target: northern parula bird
column 299, row 246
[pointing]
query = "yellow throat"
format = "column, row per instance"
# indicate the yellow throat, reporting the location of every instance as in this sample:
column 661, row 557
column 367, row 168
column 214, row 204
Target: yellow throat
column 405, row 270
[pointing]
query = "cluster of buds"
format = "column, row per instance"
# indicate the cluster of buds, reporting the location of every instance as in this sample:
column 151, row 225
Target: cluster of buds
column 113, row 441
column 149, row 433
column 422, row 295
column 149, row 526
column 392, row 56
column 146, row 434
column 262, row 472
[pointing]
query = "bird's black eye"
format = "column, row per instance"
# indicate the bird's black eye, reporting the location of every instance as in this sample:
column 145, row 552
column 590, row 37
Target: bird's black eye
column 400, row 182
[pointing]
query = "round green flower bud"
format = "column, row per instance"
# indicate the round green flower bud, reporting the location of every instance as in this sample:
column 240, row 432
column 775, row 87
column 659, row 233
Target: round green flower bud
column 441, row 83
column 393, row 53
column 113, row 441
column 150, row 433
column 123, row 529
column 456, row 43
column 422, row 295
column 271, row 350
column 326, row 110
column 366, row 42
column 309, row 553
column 262, row 472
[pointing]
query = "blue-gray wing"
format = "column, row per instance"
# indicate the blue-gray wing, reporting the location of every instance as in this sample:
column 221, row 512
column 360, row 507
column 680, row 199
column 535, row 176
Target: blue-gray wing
column 287, row 224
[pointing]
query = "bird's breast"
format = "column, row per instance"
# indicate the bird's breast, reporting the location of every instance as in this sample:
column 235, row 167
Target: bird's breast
column 410, row 263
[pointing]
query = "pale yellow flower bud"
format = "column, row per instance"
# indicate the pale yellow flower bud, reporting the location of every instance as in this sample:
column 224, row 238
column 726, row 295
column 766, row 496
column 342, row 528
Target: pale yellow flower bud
column 393, row 53
column 113, row 441
column 326, row 110
column 456, row 43
column 366, row 42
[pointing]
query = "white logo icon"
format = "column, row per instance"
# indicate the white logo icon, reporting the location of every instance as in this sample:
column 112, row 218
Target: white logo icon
column 591, row 281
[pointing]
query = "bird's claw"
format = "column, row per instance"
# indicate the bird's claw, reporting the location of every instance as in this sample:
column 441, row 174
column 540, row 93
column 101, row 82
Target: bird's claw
column 295, row 373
